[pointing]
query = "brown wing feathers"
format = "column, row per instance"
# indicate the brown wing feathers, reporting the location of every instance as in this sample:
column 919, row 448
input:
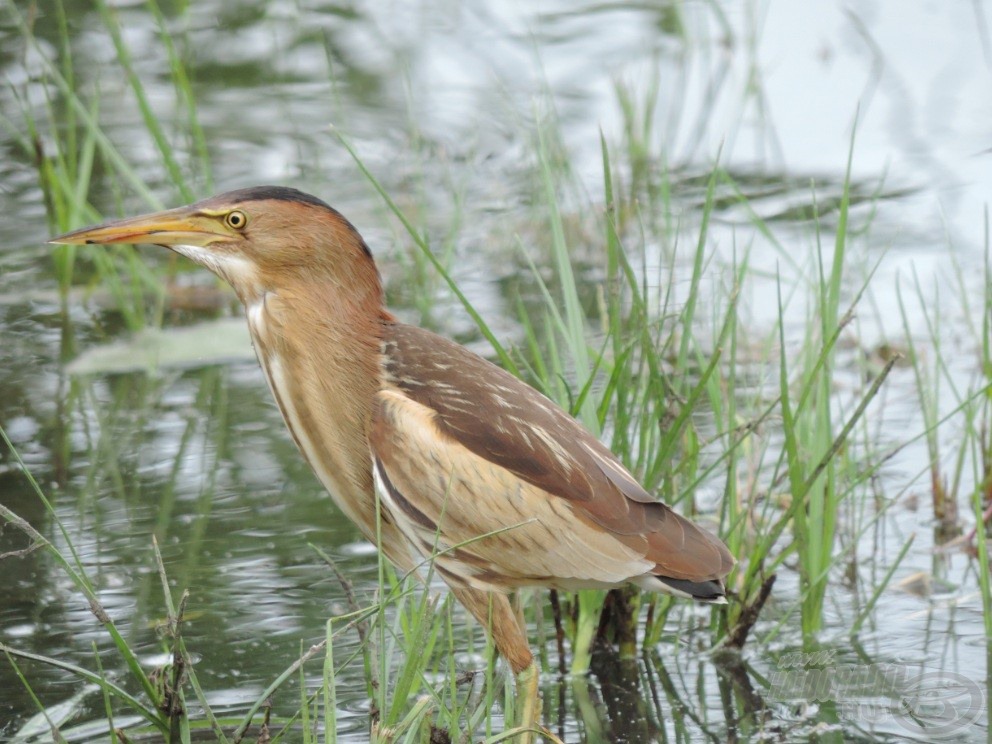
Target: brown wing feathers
column 501, row 419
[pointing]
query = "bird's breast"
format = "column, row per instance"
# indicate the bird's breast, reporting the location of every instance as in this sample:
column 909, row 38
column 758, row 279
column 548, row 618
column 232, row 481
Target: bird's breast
column 320, row 435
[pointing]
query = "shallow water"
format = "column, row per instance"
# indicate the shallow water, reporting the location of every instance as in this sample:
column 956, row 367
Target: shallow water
column 441, row 100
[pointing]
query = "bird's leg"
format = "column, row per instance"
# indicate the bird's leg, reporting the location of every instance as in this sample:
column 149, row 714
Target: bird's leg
column 495, row 613
column 528, row 700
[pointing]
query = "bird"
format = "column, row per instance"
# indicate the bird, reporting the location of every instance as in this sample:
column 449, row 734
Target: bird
column 473, row 469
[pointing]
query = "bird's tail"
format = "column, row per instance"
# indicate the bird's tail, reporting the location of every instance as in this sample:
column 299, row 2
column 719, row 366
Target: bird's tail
column 710, row 592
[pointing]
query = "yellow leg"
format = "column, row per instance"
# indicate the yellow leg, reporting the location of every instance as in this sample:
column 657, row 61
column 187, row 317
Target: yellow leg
column 493, row 610
column 528, row 702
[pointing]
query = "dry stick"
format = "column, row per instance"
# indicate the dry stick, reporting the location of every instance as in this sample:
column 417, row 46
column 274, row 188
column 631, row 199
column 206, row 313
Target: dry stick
column 849, row 426
column 37, row 539
column 182, row 662
column 264, row 735
column 746, row 622
column 173, row 700
column 562, row 669
column 559, row 630
column 749, row 615
column 23, row 552
column 361, row 627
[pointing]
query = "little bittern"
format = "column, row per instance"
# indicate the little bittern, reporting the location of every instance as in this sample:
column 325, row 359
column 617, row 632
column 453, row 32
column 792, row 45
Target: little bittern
column 474, row 469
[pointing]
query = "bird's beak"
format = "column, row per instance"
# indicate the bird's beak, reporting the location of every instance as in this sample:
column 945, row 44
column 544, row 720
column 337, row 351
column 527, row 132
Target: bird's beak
column 182, row 226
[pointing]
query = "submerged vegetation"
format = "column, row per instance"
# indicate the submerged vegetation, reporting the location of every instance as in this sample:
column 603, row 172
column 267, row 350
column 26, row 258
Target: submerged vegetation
column 631, row 314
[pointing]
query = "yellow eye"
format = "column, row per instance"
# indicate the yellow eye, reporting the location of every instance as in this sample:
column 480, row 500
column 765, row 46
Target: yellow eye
column 236, row 219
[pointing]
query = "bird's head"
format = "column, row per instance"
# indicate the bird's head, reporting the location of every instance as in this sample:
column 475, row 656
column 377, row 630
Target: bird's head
column 257, row 239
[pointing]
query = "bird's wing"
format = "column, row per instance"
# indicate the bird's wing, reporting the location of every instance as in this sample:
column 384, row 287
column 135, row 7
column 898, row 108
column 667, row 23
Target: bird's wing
column 484, row 527
column 474, row 407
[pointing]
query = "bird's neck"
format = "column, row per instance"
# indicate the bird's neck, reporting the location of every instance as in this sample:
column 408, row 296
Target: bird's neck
column 319, row 346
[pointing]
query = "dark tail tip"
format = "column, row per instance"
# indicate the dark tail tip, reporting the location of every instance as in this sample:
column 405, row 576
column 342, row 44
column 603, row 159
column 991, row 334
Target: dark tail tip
column 711, row 592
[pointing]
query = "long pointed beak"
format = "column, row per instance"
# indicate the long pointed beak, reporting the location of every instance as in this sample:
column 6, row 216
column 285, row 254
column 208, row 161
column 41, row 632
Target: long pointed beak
column 181, row 226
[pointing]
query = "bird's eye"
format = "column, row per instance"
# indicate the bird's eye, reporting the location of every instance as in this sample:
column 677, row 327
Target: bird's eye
column 236, row 219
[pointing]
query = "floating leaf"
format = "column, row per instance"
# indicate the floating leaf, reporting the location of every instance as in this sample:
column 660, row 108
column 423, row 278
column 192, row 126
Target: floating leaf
column 216, row 342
